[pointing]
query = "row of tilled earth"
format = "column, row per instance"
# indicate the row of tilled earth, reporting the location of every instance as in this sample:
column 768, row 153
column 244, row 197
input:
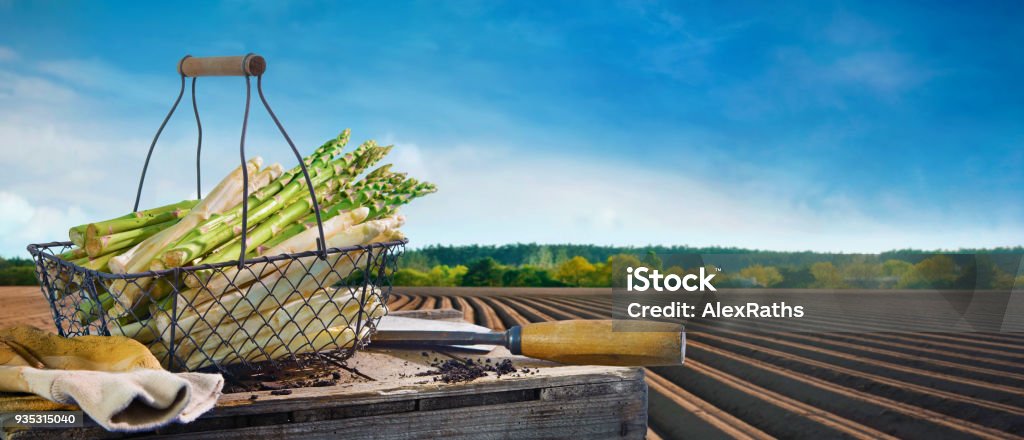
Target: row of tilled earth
column 789, row 384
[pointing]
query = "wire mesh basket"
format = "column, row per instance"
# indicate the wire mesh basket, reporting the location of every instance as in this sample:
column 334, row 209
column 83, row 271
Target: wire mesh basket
column 323, row 311
column 320, row 305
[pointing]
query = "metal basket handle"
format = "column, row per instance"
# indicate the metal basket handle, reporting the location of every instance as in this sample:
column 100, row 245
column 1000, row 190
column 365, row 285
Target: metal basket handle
column 246, row 66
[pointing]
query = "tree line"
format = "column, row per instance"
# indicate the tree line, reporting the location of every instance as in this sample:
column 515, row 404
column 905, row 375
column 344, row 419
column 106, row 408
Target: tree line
column 532, row 265
column 17, row 272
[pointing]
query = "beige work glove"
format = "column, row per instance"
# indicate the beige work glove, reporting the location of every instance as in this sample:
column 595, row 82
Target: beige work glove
column 113, row 379
column 28, row 346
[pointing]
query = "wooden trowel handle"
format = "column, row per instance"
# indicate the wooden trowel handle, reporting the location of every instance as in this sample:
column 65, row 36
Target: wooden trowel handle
column 585, row 342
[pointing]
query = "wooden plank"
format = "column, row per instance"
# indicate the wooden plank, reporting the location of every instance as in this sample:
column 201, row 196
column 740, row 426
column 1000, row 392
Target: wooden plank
column 555, row 390
column 402, row 388
column 592, row 412
column 479, row 399
column 447, row 314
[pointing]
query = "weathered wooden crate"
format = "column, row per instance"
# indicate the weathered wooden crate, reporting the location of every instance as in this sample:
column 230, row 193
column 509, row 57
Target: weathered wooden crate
column 380, row 396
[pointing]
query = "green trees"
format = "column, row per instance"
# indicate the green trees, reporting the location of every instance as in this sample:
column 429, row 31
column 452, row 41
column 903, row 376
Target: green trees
column 529, row 276
column 443, row 275
column 541, row 257
column 616, row 268
column 862, row 273
column 895, row 269
column 795, row 278
column 485, row 272
column 18, row 276
column 941, row 271
column 440, row 275
column 489, row 272
column 1004, row 281
column 526, row 265
column 762, row 276
column 937, row 272
column 17, row 272
column 410, row 277
column 827, row 276
column 575, row 271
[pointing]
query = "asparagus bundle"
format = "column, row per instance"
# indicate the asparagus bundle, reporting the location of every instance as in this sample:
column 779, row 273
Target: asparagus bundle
column 218, row 280
column 191, row 249
column 279, row 192
column 290, row 200
column 263, row 309
column 381, row 189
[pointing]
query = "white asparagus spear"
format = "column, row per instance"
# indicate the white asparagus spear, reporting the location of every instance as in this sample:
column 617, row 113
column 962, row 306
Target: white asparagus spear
column 285, row 280
column 318, row 323
column 150, row 330
column 225, row 195
column 304, row 241
column 227, row 192
column 319, row 311
column 216, row 320
column 259, row 298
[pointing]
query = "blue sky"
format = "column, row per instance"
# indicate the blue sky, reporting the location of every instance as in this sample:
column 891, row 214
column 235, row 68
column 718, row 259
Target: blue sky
column 839, row 126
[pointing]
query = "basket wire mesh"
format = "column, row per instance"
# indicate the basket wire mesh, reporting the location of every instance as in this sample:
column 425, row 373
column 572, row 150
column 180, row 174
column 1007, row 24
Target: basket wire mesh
column 323, row 310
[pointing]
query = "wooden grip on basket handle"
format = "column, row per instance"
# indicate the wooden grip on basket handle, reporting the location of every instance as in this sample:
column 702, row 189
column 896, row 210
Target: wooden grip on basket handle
column 251, row 64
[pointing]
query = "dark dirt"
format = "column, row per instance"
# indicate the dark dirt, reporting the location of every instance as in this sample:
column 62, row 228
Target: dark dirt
column 456, row 370
column 281, row 380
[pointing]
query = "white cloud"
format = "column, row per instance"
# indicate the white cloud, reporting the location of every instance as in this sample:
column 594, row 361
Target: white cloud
column 22, row 223
column 54, row 144
column 72, row 155
column 494, row 196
